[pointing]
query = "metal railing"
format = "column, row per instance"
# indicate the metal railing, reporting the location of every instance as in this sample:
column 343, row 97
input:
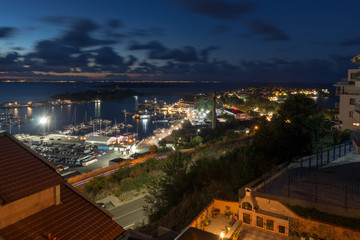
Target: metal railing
column 304, row 180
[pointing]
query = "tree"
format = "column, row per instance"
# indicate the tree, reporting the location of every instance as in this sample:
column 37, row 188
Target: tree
column 153, row 149
column 297, row 127
column 167, row 191
column 341, row 135
column 196, row 141
column 293, row 132
column 162, row 142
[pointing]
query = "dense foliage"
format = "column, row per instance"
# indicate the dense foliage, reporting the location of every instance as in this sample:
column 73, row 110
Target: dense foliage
column 294, row 131
column 187, row 184
column 125, row 179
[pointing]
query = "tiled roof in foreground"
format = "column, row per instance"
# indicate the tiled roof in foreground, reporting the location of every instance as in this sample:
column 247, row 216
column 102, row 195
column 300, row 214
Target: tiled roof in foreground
column 76, row 218
column 22, row 171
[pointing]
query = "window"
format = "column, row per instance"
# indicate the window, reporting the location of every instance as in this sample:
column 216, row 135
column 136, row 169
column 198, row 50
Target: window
column 282, row 229
column 351, row 114
column 352, row 101
column 270, row 224
column 246, row 218
column 356, row 124
column 260, row 222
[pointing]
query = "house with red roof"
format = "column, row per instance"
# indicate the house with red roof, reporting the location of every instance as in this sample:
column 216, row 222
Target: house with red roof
column 37, row 203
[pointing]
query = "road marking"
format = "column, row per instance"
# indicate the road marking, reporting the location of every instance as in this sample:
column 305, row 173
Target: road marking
column 129, row 213
column 128, row 226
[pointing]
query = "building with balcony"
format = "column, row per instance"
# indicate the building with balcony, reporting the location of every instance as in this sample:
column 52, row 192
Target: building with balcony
column 37, row 203
column 348, row 90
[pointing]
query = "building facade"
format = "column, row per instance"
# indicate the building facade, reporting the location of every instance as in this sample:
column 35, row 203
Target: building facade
column 348, row 90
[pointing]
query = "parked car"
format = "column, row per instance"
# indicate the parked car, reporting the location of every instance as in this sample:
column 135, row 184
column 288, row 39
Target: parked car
column 102, row 204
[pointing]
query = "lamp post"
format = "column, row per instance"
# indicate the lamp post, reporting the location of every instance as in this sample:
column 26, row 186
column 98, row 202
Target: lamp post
column 222, row 235
column 43, row 121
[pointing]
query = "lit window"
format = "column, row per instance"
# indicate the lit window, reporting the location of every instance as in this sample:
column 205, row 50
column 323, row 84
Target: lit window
column 356, row 124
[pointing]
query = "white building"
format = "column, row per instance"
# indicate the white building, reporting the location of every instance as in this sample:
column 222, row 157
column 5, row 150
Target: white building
column 349, row 92
column 100, row 140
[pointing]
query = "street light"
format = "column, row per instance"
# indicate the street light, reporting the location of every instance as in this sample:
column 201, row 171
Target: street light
column 222, row 235
column 43, row 120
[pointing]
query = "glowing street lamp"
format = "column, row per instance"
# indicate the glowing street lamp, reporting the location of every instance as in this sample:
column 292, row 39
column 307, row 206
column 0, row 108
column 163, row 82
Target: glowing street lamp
column 222, row 235
column 43, row 120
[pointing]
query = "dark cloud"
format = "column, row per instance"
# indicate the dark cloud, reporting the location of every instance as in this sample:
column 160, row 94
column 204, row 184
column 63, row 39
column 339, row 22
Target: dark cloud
column 107, row 59
column 9, row 58
column 115, row 23
column 18, row 48
column 159, row 51
column 217, row 8
column 153, row 31
column 184, row 54
column 205, row 52
column 272, row 71
column 219, row 29
column 58, row 20
column 350, row 41
column 145, row 67
column 107, row 56
column 11, row 62
column 54, row 52
column 79, row 35
column 269, row 32
column 6, row 32
column 152, row 45
column 131, row 60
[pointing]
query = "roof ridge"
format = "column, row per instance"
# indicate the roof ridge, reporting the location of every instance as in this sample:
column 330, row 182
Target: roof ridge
column 89, row 200
column 32, row 152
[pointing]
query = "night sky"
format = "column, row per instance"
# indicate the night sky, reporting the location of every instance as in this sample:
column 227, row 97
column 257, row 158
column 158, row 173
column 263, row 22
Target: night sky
column 197, row 40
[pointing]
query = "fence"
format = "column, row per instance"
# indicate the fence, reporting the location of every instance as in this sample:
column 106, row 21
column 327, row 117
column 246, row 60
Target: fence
column 304, row 180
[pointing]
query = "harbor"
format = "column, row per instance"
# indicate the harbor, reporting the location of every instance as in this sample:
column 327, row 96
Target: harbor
column 88, row 143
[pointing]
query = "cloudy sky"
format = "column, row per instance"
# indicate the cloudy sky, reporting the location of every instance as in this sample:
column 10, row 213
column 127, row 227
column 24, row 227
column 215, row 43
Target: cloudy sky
column 223, row 40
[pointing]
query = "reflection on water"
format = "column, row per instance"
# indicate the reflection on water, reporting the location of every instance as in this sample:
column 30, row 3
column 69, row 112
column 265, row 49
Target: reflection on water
column 64, row 115
column 16, row 112
column 97, row 109
column 145, row 124
column 29, row 111
column 136, row 102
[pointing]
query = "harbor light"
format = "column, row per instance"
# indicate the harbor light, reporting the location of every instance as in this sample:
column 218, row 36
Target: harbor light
column 43, row 120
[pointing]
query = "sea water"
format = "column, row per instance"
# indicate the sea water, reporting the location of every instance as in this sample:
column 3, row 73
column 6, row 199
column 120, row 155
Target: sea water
column 60, row 116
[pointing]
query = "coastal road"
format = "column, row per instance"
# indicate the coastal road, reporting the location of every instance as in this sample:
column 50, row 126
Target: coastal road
column 144, row 145
column 131, row 213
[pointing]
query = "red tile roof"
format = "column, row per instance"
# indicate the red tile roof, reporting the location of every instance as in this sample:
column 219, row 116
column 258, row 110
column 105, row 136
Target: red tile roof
column 22, row 171
column 76, row 218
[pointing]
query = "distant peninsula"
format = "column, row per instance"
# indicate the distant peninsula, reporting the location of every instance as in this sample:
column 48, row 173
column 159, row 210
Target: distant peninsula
column 104, row 94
